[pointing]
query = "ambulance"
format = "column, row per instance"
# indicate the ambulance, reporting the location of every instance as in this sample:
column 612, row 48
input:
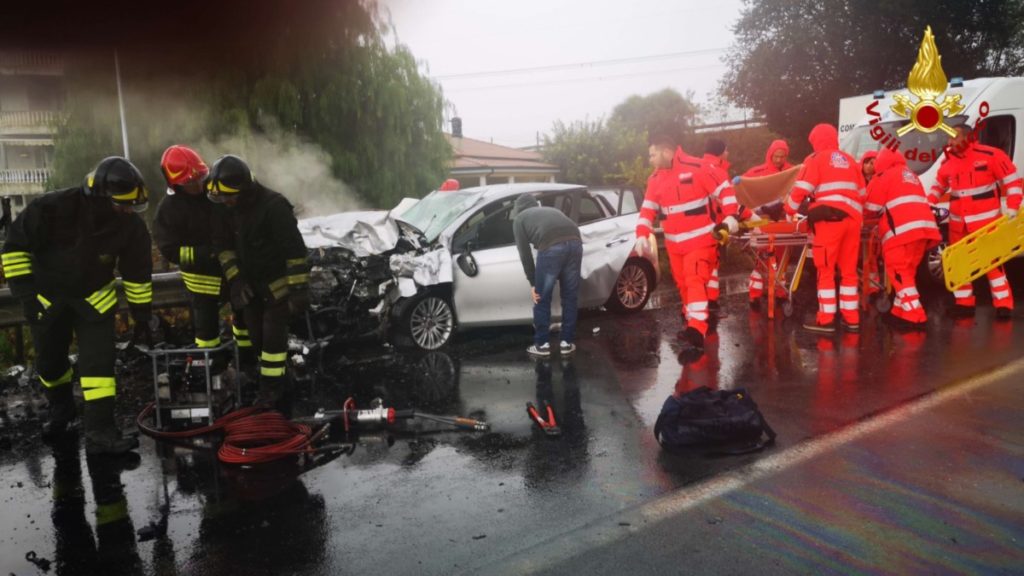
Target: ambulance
column 868, row 122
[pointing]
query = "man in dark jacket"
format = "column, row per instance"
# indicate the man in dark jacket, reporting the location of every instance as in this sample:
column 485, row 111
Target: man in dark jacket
column 183, row 230
column 263, row 258
column 559, row 258
column 59, row 259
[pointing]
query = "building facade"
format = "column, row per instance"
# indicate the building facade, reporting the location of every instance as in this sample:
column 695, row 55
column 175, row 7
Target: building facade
column 31, row 100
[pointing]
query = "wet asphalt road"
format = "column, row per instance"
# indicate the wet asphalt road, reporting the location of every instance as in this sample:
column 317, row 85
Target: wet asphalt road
column 425, row 500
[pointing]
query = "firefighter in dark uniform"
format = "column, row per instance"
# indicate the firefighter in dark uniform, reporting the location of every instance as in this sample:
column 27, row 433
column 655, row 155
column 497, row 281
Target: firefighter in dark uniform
column 59, row 259
column 183, row 231
column 263, row 258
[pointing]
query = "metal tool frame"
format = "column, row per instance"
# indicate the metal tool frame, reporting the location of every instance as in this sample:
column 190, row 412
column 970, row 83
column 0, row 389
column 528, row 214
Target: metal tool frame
column 167, row 353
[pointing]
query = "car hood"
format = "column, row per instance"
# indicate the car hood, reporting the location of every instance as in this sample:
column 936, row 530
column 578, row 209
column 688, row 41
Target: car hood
column 366, row 233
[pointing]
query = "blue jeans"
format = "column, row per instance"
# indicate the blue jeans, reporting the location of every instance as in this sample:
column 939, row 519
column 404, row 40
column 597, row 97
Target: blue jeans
column 562, row 263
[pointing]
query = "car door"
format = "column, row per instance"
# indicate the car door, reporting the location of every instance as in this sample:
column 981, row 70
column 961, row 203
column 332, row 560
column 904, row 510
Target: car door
column 498, row 294
column 607, row 243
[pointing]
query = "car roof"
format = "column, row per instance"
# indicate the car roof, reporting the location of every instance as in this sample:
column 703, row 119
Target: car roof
column 500, row 191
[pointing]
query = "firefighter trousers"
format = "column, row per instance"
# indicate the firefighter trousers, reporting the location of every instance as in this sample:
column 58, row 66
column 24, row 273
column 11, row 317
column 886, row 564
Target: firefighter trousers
column 836, row 246
column 206, row 324
column 52, row 333
column 901, row 267
column 268, row 330
column 692, row 272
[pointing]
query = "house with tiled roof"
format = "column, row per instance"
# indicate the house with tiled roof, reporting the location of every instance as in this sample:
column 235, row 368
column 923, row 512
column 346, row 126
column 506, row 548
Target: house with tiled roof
column 478, row 163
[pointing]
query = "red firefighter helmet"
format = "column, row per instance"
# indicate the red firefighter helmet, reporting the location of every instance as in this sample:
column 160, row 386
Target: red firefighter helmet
column 450, row 185
column 181, row 165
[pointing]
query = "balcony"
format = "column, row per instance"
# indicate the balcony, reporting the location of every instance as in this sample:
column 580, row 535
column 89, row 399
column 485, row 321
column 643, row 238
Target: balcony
column 28, row 122
column 31, row 62
column 25, row 176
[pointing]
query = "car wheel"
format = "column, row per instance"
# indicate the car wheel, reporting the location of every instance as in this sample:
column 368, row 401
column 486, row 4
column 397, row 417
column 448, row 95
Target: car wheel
column 633, row 287
column 427, row 322
column 933, row 260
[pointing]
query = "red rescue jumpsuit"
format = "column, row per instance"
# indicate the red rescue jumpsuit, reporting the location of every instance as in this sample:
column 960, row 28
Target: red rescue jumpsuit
column 756, row 285
column 974, row 178
column 871, row 264
column 683, row 194
column 724, row 201
column 833, row 180
column 907, row 226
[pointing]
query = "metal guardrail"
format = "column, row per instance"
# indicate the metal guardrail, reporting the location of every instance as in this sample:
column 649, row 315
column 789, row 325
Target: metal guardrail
column 168, row 292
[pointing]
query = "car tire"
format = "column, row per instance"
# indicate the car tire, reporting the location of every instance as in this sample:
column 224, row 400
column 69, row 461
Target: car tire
column 633, row 288
column 426, row 321
column 932, row 262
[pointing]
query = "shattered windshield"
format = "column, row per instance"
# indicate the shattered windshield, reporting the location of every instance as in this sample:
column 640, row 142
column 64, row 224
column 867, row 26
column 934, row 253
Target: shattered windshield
column 921, row 150
column 434, row 213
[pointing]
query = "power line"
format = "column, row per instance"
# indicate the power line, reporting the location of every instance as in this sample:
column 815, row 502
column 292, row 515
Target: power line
column 593, row 63
column 563, row 81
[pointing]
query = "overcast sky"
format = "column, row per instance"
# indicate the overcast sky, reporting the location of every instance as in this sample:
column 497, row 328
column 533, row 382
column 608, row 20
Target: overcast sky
column 596, row 53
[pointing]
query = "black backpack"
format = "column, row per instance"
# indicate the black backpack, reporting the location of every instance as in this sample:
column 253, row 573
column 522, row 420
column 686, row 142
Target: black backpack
column 718, row 421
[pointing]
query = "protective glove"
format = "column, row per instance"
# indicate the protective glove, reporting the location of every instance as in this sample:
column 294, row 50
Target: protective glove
column 1011, row 213
column 643, row 245
column 731, row 224
column 31, row 307
column 298, row 301
column 241, row 294
column 754, row 217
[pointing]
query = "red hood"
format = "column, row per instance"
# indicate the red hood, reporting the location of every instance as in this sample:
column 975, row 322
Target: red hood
column 824, row 137
column 717, row 161
column 772, row 148
column 887, row 159
column 868, row 156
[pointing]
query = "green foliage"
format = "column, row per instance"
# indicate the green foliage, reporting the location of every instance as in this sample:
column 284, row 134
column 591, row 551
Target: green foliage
column 793, row 61
column 666, row 112
column 335, row 81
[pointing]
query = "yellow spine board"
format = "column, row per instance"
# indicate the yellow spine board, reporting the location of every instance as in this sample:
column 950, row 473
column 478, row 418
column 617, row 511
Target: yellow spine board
column 983, row 250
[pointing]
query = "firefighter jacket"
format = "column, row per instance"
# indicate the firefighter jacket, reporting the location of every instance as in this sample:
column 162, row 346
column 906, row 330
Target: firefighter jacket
column 262, row 244
column 896, row 192
column 830, row 177
column 975, row 178
column 183, row 231
column 66, row 246
column 682, row 193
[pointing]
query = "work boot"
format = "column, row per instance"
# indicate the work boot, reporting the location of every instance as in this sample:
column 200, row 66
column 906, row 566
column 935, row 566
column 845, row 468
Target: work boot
column 851, row 327
column 691, row 337
column 755, row 304
column 101, row 433
column 274, row 392
column 62, row 413
column 813, row 326
column 1004, row 313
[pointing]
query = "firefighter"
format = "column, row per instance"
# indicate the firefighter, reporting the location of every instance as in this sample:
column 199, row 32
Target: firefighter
column 716, row 164
column 833, row 182
column 776, row 159
column 680, row 189
column 183, row 231
column 59, row 260
column 976, row 177
column 908, row 230
column 263, row 258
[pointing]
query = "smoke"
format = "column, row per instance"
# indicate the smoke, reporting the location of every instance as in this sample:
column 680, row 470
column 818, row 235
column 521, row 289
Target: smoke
column 287, row 164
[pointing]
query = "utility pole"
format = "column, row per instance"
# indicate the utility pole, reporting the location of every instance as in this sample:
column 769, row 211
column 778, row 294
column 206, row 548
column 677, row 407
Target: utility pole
column 120, row 106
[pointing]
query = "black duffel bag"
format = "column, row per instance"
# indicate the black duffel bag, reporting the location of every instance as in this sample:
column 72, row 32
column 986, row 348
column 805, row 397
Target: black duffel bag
column 714, row 421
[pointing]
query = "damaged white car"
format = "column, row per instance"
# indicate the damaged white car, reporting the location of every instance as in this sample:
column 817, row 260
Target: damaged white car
column 417, row 274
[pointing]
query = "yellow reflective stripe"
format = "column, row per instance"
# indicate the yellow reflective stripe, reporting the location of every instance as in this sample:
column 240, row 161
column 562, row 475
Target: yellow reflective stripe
column 298, row 279
column 201, row 289
column 187, row 255
column 243, row 342
column 295, row 262
column 201, row 279
column 13, row 257
column 96, row 387
column 42, row 300
column 208, row 343
column 279, row 287
column 106, row 304
column 66, row 378
column 100, row 294
column 129, row 195
column 231, row 272
column 266, row 371
column 273, row 357
column 138, row 292
column 239, row 331
column 107, row 513
column 15, row 270
column 227, row 256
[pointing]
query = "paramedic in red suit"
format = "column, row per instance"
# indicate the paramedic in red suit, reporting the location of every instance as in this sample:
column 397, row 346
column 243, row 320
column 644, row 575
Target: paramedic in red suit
column 776, row 159
column 976, row 176
column 833, row 181
column 908, row 230
column 681, row 190
column 723, row 199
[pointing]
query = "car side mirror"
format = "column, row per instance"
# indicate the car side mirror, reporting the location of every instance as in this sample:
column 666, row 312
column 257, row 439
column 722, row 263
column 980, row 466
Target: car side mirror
column 466, row 262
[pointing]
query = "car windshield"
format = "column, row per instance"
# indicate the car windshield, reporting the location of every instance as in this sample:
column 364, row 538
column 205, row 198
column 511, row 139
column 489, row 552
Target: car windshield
column 921, row 150
column 434, row 213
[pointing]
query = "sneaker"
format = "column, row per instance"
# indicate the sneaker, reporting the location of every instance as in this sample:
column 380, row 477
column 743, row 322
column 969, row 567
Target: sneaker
column 813, row 326
column 566, row 348
column 542, row 351
column 1003, row 313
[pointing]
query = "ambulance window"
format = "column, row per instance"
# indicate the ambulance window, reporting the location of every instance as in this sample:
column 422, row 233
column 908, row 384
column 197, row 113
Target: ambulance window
column 998, row 132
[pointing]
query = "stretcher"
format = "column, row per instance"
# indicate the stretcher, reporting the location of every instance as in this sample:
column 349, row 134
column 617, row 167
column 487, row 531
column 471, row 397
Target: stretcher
column 760, row 240
column 982, row 251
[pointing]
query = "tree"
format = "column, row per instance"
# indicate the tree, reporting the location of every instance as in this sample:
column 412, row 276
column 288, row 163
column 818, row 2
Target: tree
column 592, row 152
column 793, row 61
column 666, row 111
